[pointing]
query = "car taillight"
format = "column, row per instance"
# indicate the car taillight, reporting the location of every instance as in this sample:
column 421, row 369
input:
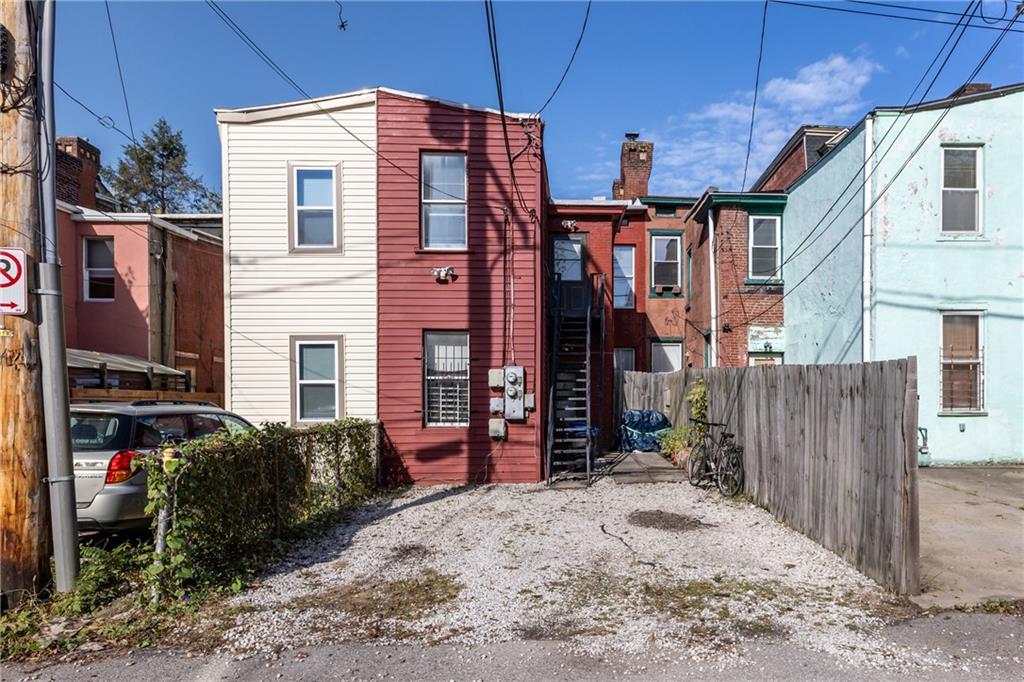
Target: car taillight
column 120, row 468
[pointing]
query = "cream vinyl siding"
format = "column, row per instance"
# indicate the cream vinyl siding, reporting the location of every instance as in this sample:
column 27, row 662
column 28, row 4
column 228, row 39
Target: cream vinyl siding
column 272, row 294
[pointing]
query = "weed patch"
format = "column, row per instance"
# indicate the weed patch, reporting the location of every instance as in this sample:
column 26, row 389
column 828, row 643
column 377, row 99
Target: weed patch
column 661, row 520
column 407, row 599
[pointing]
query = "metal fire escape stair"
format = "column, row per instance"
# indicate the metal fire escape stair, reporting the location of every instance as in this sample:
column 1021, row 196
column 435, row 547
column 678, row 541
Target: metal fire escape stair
column 571, row 425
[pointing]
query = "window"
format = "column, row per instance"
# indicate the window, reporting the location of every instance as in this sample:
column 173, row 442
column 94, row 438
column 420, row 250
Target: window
column 666, row 356
column 624, row 359
column 154, row 430
column 960, row 190
column 446, row 378
column 235, row 425
column 622, row 274
column 707, row 349
column 689, row 273
column 665, row 211
column 98, row 269
column 962, row 367
column 205, row 425
column 316, row 371
column 762, row 359
column 665, row 260
column 91, row 431
column 443, row 191
column 765, row 253
column 314, row 220
column 568, row 259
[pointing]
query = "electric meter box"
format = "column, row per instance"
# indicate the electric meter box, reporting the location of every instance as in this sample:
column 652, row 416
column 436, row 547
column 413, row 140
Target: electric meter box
column 515, row 393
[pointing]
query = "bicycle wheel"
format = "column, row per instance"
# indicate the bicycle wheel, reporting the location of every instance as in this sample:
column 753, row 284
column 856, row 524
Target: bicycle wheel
column 730, row 472
column 696, row 464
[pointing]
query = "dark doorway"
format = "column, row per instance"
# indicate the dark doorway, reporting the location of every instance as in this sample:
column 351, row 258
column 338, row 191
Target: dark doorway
column 569, row 261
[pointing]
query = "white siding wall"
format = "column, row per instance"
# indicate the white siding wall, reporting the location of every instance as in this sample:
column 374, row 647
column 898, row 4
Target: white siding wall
column 270, row 293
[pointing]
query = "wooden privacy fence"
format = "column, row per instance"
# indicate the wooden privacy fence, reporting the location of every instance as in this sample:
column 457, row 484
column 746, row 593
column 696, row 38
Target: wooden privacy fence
column 830, row 450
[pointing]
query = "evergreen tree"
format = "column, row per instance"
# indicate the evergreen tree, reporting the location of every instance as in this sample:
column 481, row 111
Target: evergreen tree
column 153, row 176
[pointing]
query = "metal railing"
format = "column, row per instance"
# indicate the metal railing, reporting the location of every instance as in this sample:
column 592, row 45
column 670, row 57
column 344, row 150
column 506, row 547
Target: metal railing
column 961, row 381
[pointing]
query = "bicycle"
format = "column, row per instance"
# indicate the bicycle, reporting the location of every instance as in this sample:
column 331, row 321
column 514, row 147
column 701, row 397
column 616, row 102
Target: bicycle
column 720, row 461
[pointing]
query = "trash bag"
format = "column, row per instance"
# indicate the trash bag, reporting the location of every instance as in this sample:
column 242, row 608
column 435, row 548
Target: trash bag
column 578, row 429
column 642, row 430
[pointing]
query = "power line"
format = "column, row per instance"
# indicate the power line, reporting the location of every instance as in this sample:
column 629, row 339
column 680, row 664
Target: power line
column 883, row 14
column 105, row 121
column 120, row 73
column 579, row 41
column 859, row 173
column 757, row 84
column 928, row 10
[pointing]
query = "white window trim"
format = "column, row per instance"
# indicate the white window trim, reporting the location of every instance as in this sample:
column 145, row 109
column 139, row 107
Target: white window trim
column 980, row 314
column 777, row 270
column 469, row 383
column 979, row 182
column 333, row 207
column 300, row 382
column 453, row 202
column 631, row 278
column 678, row 261
column 677, row 344
column 86, row 270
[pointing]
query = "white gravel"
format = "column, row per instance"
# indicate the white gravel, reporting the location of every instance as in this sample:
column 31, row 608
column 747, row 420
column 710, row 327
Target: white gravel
column 534, row 563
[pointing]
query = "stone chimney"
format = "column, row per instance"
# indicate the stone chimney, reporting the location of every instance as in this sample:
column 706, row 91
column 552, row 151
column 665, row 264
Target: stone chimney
column 635, row 165
column 78, row 168
column 971, row 89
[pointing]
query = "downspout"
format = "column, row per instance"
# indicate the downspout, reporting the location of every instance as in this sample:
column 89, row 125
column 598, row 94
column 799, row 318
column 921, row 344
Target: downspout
column 713, row 286
column 867, row 225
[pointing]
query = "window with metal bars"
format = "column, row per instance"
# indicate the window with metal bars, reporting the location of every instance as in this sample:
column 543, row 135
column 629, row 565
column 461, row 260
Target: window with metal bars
column 446, row 378
column 962, row 385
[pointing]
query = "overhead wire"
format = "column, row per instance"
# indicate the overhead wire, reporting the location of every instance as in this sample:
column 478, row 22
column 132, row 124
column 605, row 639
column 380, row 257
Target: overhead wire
column 848, row 10
column 572, row 58
column 120, row 71
column 757, row 85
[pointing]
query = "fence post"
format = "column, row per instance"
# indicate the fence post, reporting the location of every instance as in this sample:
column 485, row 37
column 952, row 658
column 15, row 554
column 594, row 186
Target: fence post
column 911, row 517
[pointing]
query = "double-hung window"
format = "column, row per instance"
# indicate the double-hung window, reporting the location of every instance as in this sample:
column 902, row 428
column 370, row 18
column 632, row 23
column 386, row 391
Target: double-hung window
column 961, row 190
column 446, row 378
column 765, row 260
column 314, row 219
column 98, row 269
column 665, row 250
column 962, row 366
column 622, row 274
column 317, row 384
column 443, row 197
column 666, row 356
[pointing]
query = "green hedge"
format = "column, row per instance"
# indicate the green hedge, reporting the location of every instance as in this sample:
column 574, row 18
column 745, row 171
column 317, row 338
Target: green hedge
column 221, row 504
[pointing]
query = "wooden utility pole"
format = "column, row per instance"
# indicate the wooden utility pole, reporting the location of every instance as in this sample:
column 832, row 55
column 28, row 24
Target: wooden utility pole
column 24, row 503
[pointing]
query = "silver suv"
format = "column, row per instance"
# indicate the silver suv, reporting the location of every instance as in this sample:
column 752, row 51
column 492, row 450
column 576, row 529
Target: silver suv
column 106, row 437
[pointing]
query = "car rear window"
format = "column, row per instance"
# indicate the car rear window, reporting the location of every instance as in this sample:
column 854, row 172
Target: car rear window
column 97, row 431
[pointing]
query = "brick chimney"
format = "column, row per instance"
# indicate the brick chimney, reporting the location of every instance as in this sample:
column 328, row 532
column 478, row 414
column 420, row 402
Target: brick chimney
column 78, row 168
column 971, row 89
column 635, row 165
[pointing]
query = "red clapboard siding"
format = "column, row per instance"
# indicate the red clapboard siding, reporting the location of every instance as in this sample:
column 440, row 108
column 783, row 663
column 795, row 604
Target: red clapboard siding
column 411, row 302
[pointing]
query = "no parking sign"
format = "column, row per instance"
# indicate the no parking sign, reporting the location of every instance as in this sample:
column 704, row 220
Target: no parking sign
column 13, row 288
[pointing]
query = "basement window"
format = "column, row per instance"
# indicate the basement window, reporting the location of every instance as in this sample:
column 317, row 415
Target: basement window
column 446, row 378
column 443, row 198
column 666, row 356
column 98, row 269
column 316, row 383
column 962, row 367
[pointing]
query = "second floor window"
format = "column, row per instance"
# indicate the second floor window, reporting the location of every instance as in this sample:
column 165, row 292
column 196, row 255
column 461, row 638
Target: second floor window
column 665, row 261
column 443, row 192
column 98, row 269
column 315, row 216
column 765, row 251
column 960, row 190
column 622, row 273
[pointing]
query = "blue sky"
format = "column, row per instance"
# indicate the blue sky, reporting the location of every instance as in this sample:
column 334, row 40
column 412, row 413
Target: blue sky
column 680, row 73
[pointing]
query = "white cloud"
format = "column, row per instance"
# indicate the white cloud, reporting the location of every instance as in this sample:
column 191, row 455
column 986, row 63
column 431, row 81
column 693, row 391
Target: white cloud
column 902, row 51
column 708, row 147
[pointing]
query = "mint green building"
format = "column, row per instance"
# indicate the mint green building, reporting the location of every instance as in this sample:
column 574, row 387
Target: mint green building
column 922, row 255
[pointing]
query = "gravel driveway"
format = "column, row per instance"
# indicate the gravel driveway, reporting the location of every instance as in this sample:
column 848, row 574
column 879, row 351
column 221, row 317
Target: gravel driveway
column 664, row 570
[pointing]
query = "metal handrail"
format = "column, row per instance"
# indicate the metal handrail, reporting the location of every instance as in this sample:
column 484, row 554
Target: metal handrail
column 556, row 324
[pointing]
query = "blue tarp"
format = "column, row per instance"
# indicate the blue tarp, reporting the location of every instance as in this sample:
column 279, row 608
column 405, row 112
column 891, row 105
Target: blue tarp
column 642, row 430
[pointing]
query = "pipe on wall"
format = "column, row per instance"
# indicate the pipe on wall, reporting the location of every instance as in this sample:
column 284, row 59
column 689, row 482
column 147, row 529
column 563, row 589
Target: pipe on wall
column 713, row 285
column 868, row 231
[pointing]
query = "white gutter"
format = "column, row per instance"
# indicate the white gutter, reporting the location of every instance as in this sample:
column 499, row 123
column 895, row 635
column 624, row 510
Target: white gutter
column 713, row 286
column 866, row 265
column 225, row 202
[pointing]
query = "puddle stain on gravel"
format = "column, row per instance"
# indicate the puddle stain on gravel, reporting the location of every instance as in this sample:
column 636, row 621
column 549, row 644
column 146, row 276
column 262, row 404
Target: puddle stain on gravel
column 662, row 520
column 368, row 599
column 410, row 552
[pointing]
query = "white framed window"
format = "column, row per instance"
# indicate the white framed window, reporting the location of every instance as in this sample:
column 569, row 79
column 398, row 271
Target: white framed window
column 446, row 378
column 961, row 190
column 665, row 250
column 624, row 359
column 316, row 379
column 962, row 367
column 443, row 200
column 666, row 356
column 764, row 260
column 98, row 268
column 624, row 281
column 314, row 218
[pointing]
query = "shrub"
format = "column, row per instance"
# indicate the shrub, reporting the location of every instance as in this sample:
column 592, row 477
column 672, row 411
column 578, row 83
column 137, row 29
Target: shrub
column 698, row 400
column 222, row 503
column 676, row 440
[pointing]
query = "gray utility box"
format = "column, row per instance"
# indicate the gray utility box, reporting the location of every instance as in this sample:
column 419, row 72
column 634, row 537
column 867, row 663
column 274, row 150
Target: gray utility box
column 515, row 392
